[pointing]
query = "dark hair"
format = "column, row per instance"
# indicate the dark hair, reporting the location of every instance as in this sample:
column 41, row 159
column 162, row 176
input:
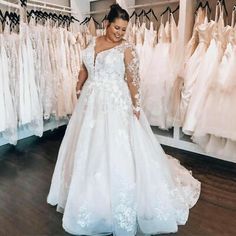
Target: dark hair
column 116, row 11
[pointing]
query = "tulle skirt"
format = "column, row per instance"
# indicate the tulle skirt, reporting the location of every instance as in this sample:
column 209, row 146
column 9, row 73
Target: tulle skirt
column 112, row 175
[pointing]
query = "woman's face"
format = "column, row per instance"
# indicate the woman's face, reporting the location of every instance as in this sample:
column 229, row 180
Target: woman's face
column 116, row 30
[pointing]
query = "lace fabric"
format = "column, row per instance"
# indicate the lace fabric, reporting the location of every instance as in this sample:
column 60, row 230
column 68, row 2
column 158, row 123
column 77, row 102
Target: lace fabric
column 132, row 76
column 111, row 175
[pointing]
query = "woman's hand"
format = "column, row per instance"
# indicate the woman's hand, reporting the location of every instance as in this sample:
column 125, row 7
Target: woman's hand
column 137, row 114
column 78, row 93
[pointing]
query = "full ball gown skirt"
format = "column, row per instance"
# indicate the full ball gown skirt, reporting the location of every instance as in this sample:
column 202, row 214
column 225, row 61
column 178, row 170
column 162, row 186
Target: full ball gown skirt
column 112, row 175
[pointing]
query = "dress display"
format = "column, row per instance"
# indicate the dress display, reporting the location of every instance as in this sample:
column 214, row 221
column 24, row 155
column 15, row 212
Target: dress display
column 39, row 70
column 158, row 50
column 208, row 92
column 9, row 78
column 112, row 176
column 191, row 68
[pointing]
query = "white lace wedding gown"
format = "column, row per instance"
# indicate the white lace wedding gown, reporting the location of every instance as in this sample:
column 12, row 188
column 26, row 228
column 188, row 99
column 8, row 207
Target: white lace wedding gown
column 112, row 175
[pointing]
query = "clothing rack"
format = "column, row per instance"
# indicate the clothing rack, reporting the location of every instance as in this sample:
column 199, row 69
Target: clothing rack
column 51, row 124
column 173, row 138
column 50, row 6
column 154, row 4
column 44, row 3
column 163, row 2
column 9, row 4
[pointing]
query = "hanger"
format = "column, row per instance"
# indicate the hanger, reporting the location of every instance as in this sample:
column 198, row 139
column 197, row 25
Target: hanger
column 176, row 9
column 198, row 7
column 153, row 14
column 134, row 13
column 1, row 16
column 23, row 3
column 95, row 20
column 7, row 16
column 207, row 6
column 222, row 2
column 15, row 20
column 143, row 13
column 85, row 21
column 233, row 16
column 104, row 18
column 166, row 10
column 73, row 18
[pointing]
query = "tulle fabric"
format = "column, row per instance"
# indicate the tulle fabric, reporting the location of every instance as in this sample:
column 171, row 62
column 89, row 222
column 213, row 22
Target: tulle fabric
column 220, row 100
column 112, row 175
column 193, row 66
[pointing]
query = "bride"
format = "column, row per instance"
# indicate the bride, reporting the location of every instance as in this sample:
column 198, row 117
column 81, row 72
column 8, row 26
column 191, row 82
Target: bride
column 112, row 175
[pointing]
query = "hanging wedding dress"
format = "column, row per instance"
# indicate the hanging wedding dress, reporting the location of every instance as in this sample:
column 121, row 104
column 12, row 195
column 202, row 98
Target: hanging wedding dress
column 215, row 127
column 176, row 57
column 207, row 71
column 112, row 176
column 30, row 107
column 153, row 85
column 8, row 55
column 192, row 70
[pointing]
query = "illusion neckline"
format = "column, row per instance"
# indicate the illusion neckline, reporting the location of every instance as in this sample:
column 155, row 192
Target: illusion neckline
column 95, row 54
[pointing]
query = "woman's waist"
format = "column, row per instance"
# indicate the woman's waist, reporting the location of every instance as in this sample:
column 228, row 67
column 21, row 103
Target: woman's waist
column 106, row 81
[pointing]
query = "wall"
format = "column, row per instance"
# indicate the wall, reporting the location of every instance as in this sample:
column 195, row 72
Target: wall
column 4, row 8
column 60, row 2
column 80, row 6
column 100, row 5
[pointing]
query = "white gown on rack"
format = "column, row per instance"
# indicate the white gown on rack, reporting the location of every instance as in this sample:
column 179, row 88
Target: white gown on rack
column 192, row 68
column 153, row 85
column 112, row 175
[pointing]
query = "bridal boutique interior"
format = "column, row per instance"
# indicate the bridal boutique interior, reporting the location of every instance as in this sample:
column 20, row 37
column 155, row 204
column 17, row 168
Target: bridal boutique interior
column 187, row 54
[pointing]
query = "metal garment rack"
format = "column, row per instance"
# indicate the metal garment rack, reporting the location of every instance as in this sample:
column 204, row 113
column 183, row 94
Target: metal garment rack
column 9, row 4
column 52, row 124
column 159, row 3
column 163, row 2
column 175, row 139
column 50, row 6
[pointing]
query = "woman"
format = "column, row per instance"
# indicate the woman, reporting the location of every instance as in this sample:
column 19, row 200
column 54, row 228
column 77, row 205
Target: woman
column 111, row 175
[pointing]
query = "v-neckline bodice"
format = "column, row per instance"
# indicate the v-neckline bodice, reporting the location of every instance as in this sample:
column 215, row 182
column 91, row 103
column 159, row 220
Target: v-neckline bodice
column 95, row 54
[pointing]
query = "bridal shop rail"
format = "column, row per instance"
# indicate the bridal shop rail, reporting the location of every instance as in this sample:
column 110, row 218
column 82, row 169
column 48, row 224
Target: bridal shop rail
column 46, row 3
column 9, row 4
column 174, row 137
column 50, row 6
column 51, row 124
column 163, row 2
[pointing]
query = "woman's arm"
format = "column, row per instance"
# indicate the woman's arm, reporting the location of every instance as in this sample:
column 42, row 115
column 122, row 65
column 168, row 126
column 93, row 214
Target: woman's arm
column 83, row 75
column 132, row 77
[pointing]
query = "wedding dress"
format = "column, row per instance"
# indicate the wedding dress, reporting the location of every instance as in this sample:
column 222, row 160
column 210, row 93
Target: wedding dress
column 8, row 123
column 192, row 68
column 154, row 86
column 112, row 176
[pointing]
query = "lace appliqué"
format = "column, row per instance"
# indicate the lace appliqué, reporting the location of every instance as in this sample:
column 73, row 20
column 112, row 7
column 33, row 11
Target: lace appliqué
column 132, row 76
column 84, row 217
column 125, row 208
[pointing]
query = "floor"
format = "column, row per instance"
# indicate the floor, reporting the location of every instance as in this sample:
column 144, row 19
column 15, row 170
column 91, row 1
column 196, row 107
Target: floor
column 25, row 175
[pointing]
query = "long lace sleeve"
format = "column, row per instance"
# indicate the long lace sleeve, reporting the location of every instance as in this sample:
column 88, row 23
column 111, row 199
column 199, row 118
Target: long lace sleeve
column 132, row 76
